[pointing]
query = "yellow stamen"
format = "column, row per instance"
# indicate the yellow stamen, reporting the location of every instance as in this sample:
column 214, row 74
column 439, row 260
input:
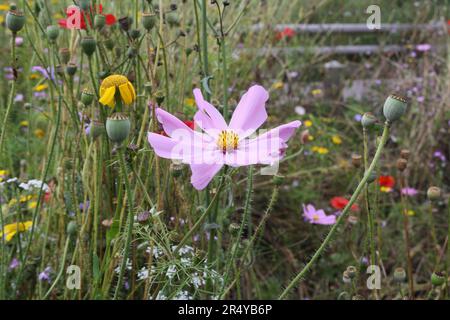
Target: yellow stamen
column 228, row 141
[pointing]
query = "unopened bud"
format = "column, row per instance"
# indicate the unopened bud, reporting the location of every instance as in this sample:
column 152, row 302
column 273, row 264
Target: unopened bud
column 356, row 160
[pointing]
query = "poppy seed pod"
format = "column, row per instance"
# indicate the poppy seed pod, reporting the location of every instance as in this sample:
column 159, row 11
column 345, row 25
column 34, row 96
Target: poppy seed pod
column 118, row 127
column 368, row 120
column 352, row 272
column 394, row 107
column 87, row 97
column 71, row 69
column 15, row 20
column 399, row 275
column 99, row 21
column 72, row 228
column 148, row 21
column 172, row 19
column 88, row 44
column 159, row 96
column 96, row 128
column 125, row 23
column 404, row 153
column 433, row 193
column 401, row 164
column 135, row 34
column 64, row 55
column 438, row 279
column 356, row 160
column 52, row 32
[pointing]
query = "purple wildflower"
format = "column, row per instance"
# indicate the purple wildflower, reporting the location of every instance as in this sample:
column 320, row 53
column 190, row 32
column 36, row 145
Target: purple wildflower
column 409, row 192
column 314, row 216
column 45, row 275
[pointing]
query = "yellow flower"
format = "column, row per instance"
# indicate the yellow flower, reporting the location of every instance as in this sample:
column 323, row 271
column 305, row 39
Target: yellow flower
column 24, row 123
column 189, row 102
column 2, row 19
column 34, row 76
column 308, row 123
column 109, row 87
column 11, row 229
column 39, row 133
column 4, row 173
column 316, row 92
column 411, row 213
column 336, row 139
column 385, row 189
column 4, row 7
column 32, row 205
column 25, row 198
column 320, row 150
column 12, row 202
column 41, row 87
column 278, row 85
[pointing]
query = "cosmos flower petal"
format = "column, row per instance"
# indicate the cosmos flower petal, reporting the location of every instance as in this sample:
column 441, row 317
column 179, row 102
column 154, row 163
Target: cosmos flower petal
column 327, row 220
column 162, row 145
column 202, row 174
column 208, row 118
column 250, row 113
column 107, row 98
column 171, row 123
column 263, row 150
column 284, row 132
column 126, row 94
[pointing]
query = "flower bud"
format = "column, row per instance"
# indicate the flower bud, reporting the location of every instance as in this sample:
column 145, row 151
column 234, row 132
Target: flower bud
column 356, row 160
column 305, row 137
column 59, row 70
column 352, row 272
column 368, row 120
column 88, row 44
column 71, row 69
column 135, row 34
column 72, row 228
column 233, row 228
column 52, row 32
column 434, row 193
column 438, row 278
column 118, row 127
column 159, row 96
column 404, row 153
column 131, row 53
column 172, row 20
column 64, row 55
column 148, row 21
column 401, row 164
column 15, row 20
column 87, row 97
column 394, row 107
column 399, row 275
column 99, row 21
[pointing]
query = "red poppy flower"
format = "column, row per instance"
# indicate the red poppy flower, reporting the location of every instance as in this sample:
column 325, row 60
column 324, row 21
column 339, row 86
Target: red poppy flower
column 47, row 196
column 72, row 13
column 386, row 183
column 339, row 203
column 286, row 33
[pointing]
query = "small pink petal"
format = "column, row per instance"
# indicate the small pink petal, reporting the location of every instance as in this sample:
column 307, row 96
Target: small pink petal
column 250, row 112
column 202, row 174
column 170, row 123
column 208, row 118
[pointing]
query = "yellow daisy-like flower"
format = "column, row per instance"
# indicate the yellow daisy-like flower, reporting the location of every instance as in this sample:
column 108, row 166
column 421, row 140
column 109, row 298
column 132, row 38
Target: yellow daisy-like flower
column 4, row 173
column 189, row 102
column 320, row 150
column 108, row 90
column 24, row 123
column 278, row 85
column 11, row 229
column 316, row 92
column 39, row 133
column 336, row 139
column 41, row 87
column 32, row 205
column 4, row 7
column 411, row 213
column 308, row 123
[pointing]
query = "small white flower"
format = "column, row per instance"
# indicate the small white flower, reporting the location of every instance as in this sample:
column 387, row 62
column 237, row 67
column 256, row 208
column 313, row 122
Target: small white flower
column 170, row 273
column 143, row 273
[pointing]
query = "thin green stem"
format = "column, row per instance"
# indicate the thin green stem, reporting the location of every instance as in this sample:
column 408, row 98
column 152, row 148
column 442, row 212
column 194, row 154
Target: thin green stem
column 342, row 217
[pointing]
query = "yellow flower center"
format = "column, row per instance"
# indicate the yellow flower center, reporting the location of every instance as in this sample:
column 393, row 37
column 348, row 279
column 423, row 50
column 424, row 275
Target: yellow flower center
column 315, row 217
column 114, row 81
column 228, row 141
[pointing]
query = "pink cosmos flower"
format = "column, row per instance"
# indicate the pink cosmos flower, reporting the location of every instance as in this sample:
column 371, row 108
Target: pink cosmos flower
column 409, row 191
column 314, row 216
column 220, row 143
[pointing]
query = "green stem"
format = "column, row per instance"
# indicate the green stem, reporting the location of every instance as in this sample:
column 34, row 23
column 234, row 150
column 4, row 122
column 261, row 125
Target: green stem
column 130, row 222
column 343, row 215
column 61, row 270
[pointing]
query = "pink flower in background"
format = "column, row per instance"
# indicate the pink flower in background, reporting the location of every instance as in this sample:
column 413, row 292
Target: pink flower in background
column 423, row 47
column 220, row 143
column 314, row 216
column 409, row 191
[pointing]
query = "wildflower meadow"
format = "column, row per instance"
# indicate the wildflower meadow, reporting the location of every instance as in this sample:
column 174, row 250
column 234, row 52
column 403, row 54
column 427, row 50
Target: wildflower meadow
column 224, row 150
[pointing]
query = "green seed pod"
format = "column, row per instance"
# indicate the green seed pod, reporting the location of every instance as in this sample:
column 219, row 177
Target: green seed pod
column 87, row 97
column 172, row 20
column 109, row 44
column 125, row 23
column 88, row 44
column 159, row 96
column 352, row 272
column 85, row 4
column 71, row 69
column 188, row 51
column 131, row 53
column 394, row 107
column 135, row 34
column 15, row 20
column 59, row 70
column 438, row 279
column 118, row 127
column 64, row 55
column 233, row 228
column 72, row 228
column 399, row 275
column 52, row 32
column 148, row 21
column 368, row 120
column 433, row 193
column 99, row 21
